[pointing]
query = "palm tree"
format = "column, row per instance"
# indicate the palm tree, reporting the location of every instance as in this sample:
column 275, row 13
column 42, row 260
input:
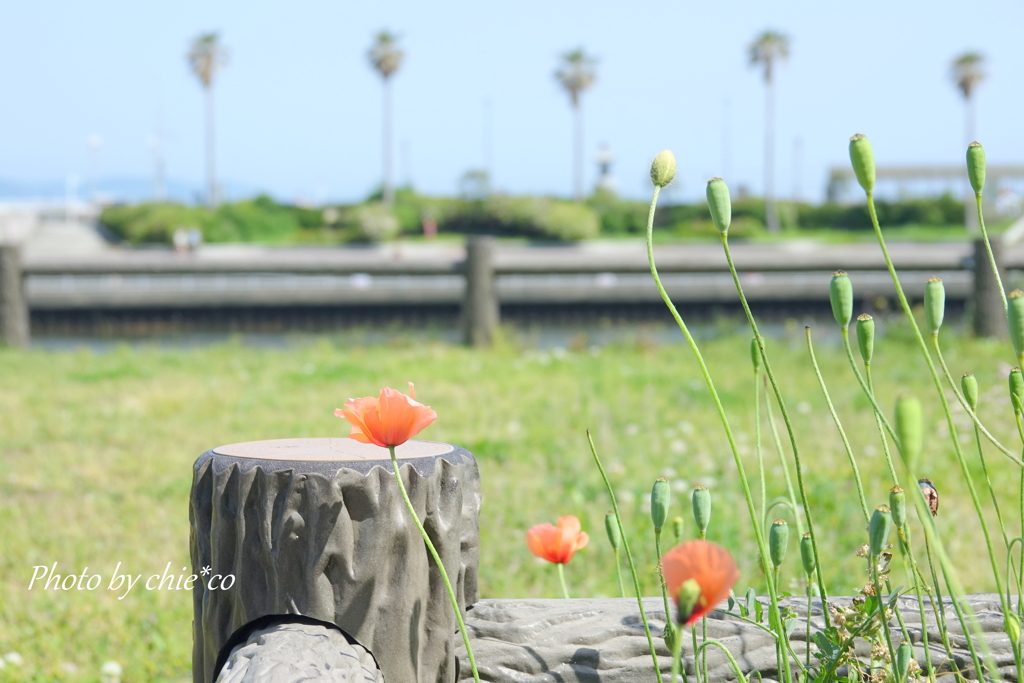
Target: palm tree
column 576, row 74
column 206, row 57
column 967, row 73
column 386, row 58
column 767, row 48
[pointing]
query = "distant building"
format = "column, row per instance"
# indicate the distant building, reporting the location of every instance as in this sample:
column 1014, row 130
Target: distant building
column 605, row 181
column 899, row 182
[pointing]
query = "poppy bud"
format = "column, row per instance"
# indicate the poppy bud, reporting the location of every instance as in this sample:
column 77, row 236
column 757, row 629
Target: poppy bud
column 866, row 336
column 1012, row 627
column 672, row 636
column 878, row 530
column 677, row 528
column 863, row 160
column 969, row 386
column 909, row 430
column 661, row 496
column 840, row 293
column 898, row 505
column 976, row 166
column 1015, row 319
column 663, row 168
column 807, row 553
column 755, row 354
column 687, row 599
column 611, row 525
column 934, row 304
column 778, row 540
column 904, row 653
column 719, row 204
column 1016, row 381
column 702, row 509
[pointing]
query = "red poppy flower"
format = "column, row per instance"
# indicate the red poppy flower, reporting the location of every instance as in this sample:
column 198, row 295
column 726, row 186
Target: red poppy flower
column 388, row 420
column 557, row 544
column 699, row 575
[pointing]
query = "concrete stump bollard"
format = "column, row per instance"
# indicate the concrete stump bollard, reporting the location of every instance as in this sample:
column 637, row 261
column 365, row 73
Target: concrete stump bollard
column 314, row 531
column 989, row 318
column 481, row 310
column 14, row 318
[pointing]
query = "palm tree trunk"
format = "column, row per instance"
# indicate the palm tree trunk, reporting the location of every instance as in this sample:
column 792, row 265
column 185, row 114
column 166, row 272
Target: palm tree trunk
column 771, row 215
column 388, row 189
column 970, row 209
column 211, row 171
column 578, row 151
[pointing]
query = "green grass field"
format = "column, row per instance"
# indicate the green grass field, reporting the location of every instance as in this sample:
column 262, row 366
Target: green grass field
column 96, row 453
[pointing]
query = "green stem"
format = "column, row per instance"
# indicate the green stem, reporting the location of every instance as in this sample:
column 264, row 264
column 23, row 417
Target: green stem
column 966, row 406
column 785, row 469
column 669, row 626
column 757, row 442
column 629, row 558
column 991, row 488
column 762, row 546
column 954, row 600
column 696, row 655
column 810, row 602
column 1020, row 576
column 704, row 638
column 911, row 567
column 988, row 248
column 785, row 418
column 882, row 619
column 677, row 654
column 839, row 426
column 561, row 579
column 938, row 607
column 732, row 660
column 437, row 561
column 896, row 611
column 865, row 387
column 618, row 573
column 881, row 429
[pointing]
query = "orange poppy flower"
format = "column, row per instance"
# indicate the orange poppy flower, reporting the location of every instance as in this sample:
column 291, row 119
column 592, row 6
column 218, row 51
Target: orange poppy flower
column 557, row 544
column 699, row 575
column 389, row 420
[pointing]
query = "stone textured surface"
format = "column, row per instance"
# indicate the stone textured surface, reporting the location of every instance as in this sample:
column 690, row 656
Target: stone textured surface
column 333, row 541
column 583, row 641
column 289, row 653
column 602, row 640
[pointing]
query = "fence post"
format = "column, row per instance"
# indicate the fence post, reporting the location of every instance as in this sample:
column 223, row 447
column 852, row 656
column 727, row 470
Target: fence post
column 480, row 307
column 14, row 328
column 989, row 318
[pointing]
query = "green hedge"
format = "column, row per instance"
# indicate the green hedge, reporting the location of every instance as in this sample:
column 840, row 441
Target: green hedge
column 944, row 210
column 264, row 220
column 543, row 218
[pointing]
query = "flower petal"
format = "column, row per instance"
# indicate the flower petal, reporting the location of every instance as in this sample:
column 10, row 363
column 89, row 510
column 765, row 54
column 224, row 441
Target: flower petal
column 364, row 415
column 542, row 541
column 401, row 417
column 710, row 565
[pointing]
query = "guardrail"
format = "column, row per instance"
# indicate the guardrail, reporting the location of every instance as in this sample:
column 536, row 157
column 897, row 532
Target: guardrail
column 482, row 277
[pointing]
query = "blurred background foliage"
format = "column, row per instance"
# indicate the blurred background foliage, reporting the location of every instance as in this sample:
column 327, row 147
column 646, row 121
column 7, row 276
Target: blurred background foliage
column 603, row 214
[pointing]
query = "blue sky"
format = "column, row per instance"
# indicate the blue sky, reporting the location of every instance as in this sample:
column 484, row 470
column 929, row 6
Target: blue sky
column 298, row 108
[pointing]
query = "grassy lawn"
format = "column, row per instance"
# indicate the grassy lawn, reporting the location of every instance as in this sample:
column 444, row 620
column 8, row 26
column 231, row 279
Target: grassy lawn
column 96, row 453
